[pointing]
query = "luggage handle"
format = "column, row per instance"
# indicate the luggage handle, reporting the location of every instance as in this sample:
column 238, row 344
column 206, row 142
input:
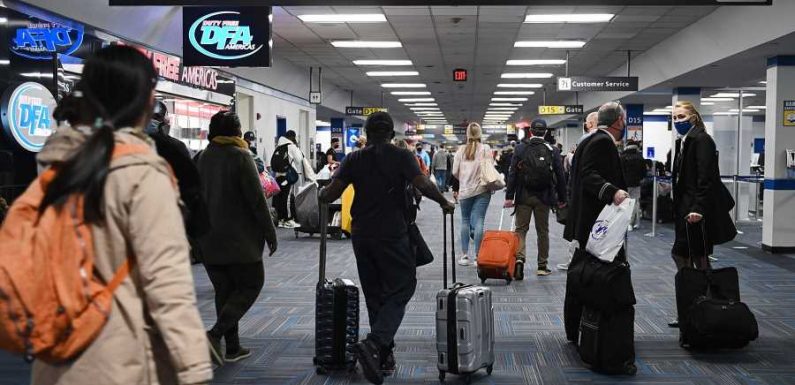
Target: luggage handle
column 502, row 218
column 323, row 235
column 444, row 246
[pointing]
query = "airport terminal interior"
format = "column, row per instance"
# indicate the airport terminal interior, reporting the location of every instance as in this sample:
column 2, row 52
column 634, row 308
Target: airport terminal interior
column 315, row 71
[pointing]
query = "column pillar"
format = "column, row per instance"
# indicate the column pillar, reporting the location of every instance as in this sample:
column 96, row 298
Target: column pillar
column 778, row 231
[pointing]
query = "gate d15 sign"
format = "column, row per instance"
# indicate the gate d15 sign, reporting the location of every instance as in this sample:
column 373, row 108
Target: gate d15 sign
column 227, row 37
column 27, row 115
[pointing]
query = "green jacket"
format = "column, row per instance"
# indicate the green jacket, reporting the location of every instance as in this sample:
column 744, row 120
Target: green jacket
column 240, row 218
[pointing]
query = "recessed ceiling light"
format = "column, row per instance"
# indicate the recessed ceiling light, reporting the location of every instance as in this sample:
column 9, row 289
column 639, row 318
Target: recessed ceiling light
column 570, row 18
column 424, row 108
column 514, row 92
column 707, row 103
column 409, row 100
column 549, row 44
column 731, row 95
column 393, row 73
column 508, row 99
column 535, row 62
column 527, row 75
column 403, row 85
column 520, row 85
column 400, row 93
column 717, row 99
column 344, row 18
column 504, row 105
column 757, row 107
column 365, row 44
column 382, row 62
column 420, row 104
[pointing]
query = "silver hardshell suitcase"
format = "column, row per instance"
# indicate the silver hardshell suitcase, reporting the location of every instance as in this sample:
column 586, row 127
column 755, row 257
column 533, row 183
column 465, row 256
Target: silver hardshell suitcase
column 464, row 324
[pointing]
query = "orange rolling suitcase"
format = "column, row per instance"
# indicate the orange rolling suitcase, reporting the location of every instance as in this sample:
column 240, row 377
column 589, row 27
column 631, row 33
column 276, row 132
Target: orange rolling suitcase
column 497, row 255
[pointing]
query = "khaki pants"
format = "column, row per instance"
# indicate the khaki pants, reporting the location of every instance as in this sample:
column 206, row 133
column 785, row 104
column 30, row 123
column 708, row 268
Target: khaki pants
column 525, row 210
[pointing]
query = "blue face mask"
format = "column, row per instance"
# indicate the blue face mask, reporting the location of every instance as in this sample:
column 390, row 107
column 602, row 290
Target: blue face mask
column 153, row 127
column 683, row 127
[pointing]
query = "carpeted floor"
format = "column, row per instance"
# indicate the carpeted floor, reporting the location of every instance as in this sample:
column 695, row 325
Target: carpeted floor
column 530, row 343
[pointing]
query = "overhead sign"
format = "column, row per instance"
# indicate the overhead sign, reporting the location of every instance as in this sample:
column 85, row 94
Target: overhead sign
column 364, row 111
column 228, row 37
column 40, row 40
column 27, row 115
column 353, row 134
column 597, row 83
column 634, row 122
column 440, row 2
column 460, row 75
column 789, row 113
column 561, row 110
column 314, row 97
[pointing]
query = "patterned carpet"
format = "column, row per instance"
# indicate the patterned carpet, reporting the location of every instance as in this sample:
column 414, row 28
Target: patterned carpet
column 531, row 347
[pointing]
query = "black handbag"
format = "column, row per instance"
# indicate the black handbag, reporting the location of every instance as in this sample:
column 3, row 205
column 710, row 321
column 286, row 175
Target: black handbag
column 605, row 286
column 422, row 253
column 561, row 214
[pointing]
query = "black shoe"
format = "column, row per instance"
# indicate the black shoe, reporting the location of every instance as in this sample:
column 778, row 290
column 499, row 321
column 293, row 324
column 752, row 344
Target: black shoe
column 519, row 273
column 673, row 324
column 388, row 364
column 370, row 360
column 215, row 349
column 240, row 354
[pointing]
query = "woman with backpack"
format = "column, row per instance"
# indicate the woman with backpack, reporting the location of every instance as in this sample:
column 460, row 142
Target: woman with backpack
column 474, row 197
column 153, row 333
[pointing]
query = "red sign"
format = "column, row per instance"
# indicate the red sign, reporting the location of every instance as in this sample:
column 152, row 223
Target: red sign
column 460, row 75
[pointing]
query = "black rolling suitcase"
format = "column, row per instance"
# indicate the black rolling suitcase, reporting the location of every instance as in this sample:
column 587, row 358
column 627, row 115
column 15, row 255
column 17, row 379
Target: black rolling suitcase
column 336, row 315
column 607, row 340
column 710, row 313
column 572, row 307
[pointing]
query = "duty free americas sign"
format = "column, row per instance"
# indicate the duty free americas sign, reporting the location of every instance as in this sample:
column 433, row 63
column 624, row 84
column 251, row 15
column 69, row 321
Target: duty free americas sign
column 325, row 3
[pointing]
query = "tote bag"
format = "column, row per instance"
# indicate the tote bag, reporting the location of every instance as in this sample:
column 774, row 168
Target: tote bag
column 609, row 231
column 489, row 176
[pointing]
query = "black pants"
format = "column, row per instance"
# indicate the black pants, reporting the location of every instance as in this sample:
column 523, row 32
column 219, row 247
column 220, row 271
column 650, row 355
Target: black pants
column 388, row 273
column 281, row 202
column 236, row 288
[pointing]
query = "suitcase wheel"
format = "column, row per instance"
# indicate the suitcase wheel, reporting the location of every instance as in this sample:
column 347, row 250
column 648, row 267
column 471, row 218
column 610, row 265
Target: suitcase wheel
column 320, row 371
column 296, row 234
column 489, row 369
column 441, row 375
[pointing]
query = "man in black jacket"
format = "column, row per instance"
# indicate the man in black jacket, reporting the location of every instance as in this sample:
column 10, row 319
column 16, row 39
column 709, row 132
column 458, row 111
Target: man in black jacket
column 535, row 200
column 597, row 175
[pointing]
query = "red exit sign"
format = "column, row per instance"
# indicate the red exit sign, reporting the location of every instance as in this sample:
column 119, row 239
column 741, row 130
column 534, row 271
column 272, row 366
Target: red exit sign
column 460, row 75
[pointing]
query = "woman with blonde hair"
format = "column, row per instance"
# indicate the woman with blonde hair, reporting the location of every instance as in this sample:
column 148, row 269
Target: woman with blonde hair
column 474, row 197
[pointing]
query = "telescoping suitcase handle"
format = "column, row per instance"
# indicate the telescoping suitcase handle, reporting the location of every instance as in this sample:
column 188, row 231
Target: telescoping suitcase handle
column 323, row 235
column 705, row 258
column 502, row 218
column 452, row 246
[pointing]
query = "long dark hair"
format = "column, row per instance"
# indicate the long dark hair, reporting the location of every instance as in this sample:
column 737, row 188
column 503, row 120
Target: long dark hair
column 115, row 92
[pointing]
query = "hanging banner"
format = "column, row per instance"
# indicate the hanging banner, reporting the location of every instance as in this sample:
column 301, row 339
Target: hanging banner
column 227, row 37
column 634, row 130
column 597, row 83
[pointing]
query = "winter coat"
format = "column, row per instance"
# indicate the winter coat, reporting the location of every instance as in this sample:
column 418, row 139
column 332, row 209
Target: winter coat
column 240, row 220
column 154, row 335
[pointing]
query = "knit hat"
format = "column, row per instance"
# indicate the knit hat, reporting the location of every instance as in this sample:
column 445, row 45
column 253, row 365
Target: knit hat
column 474, row 131
column 379, row 122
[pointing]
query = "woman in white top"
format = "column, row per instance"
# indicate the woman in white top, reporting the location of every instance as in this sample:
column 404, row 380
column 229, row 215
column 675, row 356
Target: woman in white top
column 472, row 194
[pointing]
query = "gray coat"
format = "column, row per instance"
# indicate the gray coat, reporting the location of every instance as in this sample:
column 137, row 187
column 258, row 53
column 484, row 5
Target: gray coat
column 240, row 218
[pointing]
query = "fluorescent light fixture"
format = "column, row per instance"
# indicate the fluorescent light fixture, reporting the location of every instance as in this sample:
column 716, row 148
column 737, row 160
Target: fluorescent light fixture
column 662, row 110
column 5, row 62
column 763, row 82
column 504, row 105
column 656, row 113
column 411, row 100
column 527, row 75
column 570, row 18
column 321, row 123
column 403, row 85
column 520, row 85
column 717, row 99
column 439, row 114
column 757, row 107
column 344, row 18
column 744, row 110
column 725, row 113
column 536, row 62
column 731, row 95
column 508, row 99
column 514, row 92
column 399, row 93
column 503, row 108
column 3, row 20
column 707, row 103
column 392, row 73
column 365, row 44
column 424, row 108
column 382, row 62
column 549, row 44
column 421, row 104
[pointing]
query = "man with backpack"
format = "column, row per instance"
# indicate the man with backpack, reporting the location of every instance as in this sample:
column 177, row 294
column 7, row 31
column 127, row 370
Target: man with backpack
column 535, row 183
column 634, row 172
column 288, row 164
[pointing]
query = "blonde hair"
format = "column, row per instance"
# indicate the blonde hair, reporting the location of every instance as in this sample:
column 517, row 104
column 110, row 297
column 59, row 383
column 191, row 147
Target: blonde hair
column 695, row 117
column 473, row 139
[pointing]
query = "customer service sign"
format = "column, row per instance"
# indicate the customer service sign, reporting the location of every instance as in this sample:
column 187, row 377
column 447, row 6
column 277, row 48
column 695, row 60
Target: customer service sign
column 227, row 37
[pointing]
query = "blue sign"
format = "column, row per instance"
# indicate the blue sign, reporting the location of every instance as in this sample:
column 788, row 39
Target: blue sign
column 352, row 136
column 42, row 40
column 27, row 115
column 230, row 37
column 649, row 152
column 634, row 122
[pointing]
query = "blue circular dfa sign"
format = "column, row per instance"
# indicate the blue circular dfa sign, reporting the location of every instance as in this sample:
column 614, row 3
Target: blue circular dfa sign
column 27, row 115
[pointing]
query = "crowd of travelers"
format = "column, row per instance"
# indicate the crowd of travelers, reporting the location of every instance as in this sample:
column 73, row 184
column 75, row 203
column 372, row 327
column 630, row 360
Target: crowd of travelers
column 149, row 208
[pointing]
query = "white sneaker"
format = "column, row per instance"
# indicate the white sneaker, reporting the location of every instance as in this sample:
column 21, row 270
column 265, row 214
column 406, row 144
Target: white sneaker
column 713, row 259
column 465, row 261
column 630, row 228
column 281, row 225
column 563, row 266
column 291, row 224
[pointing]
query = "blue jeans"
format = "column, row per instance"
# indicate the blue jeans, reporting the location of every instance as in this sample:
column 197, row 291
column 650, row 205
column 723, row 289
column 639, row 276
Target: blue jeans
column 473, row 214
column 441, row 176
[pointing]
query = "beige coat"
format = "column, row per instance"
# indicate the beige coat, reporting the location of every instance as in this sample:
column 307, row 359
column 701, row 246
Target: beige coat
column 154, row 335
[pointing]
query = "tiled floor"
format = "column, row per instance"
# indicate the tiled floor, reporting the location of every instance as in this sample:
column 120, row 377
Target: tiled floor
column 531, row 347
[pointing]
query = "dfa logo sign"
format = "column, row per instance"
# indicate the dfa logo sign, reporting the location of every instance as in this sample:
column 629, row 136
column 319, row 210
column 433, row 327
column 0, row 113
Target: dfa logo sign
column 42, row 40
column 228, row 37
column 27, row 115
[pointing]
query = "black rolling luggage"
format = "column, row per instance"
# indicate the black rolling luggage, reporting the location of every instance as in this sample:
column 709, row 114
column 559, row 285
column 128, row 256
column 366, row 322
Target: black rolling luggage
column 572, row 307
column 336, row 315
column 711, row 315
column 607, row 340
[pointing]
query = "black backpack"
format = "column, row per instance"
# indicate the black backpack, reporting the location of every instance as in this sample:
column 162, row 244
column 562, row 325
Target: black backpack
column 280, row 161
column 535, row 166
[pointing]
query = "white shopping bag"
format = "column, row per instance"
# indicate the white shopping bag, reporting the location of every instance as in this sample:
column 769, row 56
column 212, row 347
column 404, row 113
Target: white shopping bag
column 610, row 230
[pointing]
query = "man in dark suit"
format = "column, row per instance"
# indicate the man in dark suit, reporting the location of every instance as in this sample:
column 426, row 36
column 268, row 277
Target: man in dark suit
column 597, row 176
